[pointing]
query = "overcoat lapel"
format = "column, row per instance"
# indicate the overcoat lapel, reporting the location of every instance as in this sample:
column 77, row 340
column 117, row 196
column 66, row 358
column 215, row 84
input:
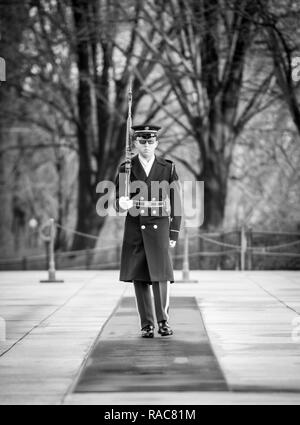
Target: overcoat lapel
column 155, row 172
column 137, row 169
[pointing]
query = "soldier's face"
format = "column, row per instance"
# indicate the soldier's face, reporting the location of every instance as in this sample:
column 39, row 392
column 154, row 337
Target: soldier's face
column 146, row 150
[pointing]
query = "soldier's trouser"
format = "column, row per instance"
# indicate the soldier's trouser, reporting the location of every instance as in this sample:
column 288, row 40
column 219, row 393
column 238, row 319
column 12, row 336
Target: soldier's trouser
column 144, row 301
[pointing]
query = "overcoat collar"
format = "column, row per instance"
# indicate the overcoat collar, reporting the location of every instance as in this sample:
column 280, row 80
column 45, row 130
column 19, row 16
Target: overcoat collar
column 139, row 172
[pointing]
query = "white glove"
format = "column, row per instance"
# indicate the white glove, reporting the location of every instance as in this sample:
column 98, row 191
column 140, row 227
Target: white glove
column 125, row 203
column 172, row 244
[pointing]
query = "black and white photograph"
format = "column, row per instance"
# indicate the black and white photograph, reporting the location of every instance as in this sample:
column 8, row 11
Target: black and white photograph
column 150, row 205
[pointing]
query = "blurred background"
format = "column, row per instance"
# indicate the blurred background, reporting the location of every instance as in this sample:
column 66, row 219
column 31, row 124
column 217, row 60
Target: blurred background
column 222, row 77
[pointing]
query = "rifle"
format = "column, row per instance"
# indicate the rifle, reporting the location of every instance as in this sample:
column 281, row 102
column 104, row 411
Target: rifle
column 128, row 142
column 136, row 203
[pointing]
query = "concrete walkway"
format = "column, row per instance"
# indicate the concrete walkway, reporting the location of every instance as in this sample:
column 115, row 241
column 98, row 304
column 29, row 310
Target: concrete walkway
column 252, row 320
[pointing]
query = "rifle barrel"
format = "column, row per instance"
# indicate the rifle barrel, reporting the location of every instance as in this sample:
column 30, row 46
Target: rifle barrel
column 128, row 141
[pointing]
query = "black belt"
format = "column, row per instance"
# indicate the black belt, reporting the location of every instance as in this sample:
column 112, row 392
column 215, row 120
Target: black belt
column 149, row 204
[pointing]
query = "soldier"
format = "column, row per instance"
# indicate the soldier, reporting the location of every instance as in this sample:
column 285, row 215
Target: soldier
column 151, row 228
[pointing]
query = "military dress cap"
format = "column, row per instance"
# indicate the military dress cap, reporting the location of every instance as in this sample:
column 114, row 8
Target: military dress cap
column 145, row 131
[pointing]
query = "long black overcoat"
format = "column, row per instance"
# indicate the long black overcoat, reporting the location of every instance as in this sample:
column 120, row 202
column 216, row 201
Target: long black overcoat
column 145, row 250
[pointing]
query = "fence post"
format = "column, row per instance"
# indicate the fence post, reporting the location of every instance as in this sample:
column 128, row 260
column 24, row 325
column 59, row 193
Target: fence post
column 51, row 270
column 200, row 247
column 176, row 255
column 118, row 253
column 24, row 262
column 243, row 247
column 186, row 264
column 220, row 258
column 237, row 255
column 47, row 253
column 88, row 257
column 249, row 250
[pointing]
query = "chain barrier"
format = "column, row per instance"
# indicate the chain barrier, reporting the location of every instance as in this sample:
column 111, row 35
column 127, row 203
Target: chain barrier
column 206, row 253
column 256, row 250
column 218, row 242
column 84, row 251
column 75, row 232
column 114, row 264
column 238, row 247
column 275, row 246
column 276, row 254
column 277, row 233
column 221, row 232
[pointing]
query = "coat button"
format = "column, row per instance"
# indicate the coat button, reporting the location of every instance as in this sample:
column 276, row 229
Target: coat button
column 142, row 198
column 153, row 199
column 155, row 226
column 142, row 211
column 154, row 212
column 143, row 227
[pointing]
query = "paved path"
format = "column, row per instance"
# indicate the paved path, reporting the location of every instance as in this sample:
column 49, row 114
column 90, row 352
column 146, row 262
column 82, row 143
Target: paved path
column 123, row 362
column 51, row 329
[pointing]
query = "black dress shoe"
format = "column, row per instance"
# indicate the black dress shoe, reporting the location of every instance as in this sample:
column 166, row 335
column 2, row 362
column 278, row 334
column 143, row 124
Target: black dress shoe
column 148, row 331
column 164, row 329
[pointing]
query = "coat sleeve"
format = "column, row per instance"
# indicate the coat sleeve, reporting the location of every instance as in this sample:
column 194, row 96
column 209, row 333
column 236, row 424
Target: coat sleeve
column 176, row 205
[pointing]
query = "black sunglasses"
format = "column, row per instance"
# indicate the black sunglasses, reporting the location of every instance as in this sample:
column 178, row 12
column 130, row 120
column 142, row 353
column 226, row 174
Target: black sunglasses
column 150, row 141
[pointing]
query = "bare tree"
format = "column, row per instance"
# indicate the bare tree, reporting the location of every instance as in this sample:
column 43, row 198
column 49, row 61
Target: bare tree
column 106, row 49
column 199, row 68
column 280, row 23
column 12, row 212
column 208, row 58
column 77, row 60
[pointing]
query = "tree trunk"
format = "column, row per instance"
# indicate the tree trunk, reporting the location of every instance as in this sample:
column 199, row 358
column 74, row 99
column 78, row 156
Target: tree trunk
column 60, row 240
column 215, row 190
column 87, row 219
column 88, row 222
